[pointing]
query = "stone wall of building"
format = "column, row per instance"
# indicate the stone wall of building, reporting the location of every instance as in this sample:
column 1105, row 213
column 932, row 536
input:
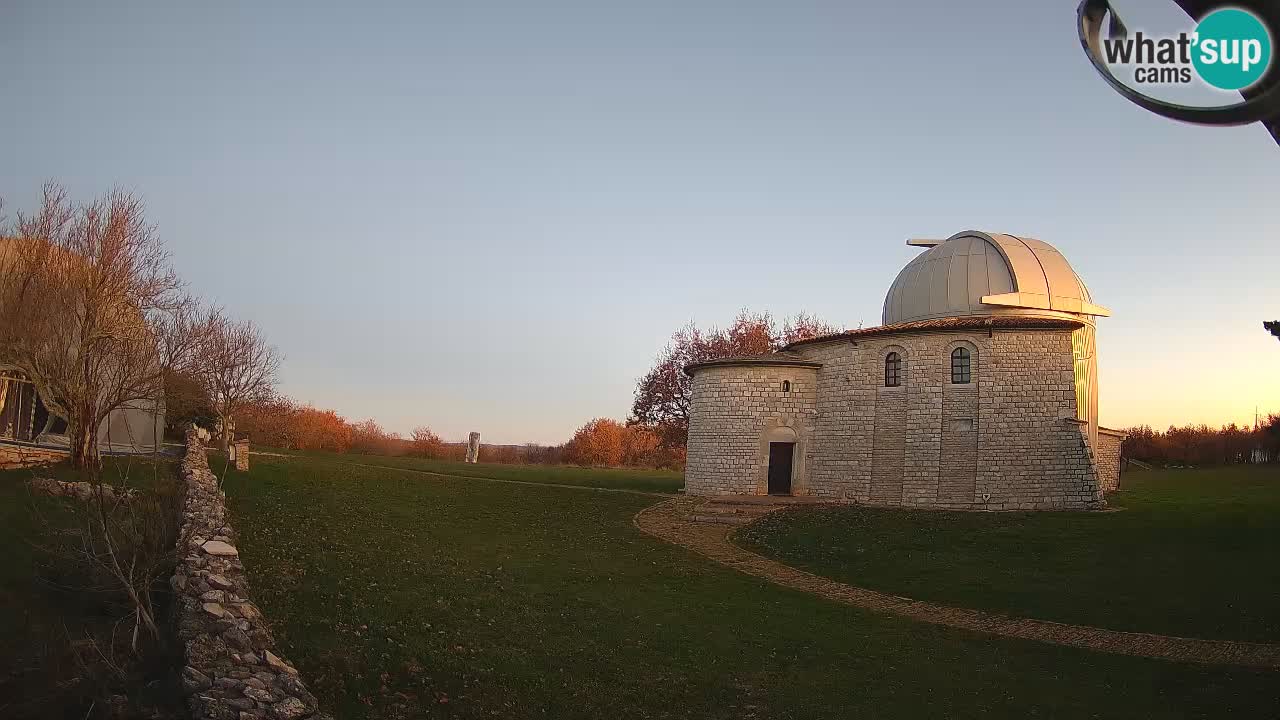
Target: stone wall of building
column 734, row 411
column 1032, row 453
column 1007, row 440
column 232, row 670
column 17, row 455
column 847, row 442
column 1108, row 458
column 915, row 444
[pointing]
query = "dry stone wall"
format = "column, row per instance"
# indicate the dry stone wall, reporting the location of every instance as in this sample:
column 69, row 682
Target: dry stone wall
column 232, row 670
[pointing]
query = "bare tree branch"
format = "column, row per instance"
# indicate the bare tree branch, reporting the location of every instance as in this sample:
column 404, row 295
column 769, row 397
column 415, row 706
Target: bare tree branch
column 80, row 289
column 239, row 365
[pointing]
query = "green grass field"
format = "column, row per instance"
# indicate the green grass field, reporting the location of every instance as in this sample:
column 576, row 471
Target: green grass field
column 51, row 606
column 400, row 594
column 659, row 481
column 1191, row 552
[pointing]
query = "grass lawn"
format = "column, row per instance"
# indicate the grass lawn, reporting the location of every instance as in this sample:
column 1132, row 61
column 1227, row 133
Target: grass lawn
column 1193, row 553
column 405, row 595
column 661, row 481
column 48, row 668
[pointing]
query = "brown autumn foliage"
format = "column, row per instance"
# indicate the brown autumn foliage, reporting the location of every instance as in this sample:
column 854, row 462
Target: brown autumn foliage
column 427, row 444
column 279, row 422
column 662, row 395
column 317, row 429
column 639, row 445
column 269, row 422
column 598, row 443
column 369, row 438
column 603, row 442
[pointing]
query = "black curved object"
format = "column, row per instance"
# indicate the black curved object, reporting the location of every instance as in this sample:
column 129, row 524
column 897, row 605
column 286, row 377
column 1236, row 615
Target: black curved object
column 1260, row 103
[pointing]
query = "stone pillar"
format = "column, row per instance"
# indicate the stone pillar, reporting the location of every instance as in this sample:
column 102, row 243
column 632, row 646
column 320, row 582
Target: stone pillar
column 473, row 448
column 240, row 453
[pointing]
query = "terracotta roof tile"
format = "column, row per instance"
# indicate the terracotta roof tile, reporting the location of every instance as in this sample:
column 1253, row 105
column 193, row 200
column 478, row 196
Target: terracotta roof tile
column 972, row 322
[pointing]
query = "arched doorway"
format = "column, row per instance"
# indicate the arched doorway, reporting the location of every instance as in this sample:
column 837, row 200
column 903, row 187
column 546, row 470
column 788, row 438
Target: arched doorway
column 782, row 456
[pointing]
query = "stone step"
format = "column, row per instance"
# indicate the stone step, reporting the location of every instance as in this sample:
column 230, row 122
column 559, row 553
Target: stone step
column 773, row 500
column 719, row 509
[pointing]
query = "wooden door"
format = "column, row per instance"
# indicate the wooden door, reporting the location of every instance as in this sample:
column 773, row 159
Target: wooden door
column 780, row 458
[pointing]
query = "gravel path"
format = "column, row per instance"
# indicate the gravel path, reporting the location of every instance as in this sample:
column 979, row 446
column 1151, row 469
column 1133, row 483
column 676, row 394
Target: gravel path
column 670, row 521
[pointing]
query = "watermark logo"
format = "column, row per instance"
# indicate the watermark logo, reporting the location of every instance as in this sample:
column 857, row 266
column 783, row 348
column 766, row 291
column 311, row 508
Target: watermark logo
column 1230, row 49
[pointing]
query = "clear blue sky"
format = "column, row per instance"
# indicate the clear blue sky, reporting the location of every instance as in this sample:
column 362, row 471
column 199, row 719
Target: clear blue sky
column 490, row 216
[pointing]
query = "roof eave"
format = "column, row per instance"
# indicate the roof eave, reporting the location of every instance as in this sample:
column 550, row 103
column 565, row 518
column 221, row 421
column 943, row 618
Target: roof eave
column 951, row 324
column 766, row 361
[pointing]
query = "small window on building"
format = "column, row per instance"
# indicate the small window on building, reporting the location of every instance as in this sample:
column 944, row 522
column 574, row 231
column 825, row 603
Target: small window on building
column 960, row 366
column 892, row 370
column 786, row 386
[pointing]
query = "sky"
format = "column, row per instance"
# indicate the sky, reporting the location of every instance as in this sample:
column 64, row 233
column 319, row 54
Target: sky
column 492, row 215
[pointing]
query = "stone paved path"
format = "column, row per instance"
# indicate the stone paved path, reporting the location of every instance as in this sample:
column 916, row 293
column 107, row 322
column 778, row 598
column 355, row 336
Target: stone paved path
column 670, row 521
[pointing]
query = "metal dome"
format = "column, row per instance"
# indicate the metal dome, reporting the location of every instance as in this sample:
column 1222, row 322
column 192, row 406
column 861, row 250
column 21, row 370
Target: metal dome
column 978, row 273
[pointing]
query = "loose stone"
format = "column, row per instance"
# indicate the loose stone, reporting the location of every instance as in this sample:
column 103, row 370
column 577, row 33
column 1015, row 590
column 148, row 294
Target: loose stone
column 278, row 664
column 287, row 709
column 219, row 582
column 219, row 548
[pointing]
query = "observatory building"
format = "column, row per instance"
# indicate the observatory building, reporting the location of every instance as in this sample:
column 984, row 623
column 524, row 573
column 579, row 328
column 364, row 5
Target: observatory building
column 978, row 392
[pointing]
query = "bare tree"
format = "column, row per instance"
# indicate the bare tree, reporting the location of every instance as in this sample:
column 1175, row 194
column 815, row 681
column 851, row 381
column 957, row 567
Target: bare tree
column 239, row 365
column 182, row 334
column 79, row 294
column 83, row 289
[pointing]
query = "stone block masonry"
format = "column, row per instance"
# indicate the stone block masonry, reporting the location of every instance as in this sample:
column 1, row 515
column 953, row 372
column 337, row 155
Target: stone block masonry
column 1008, row 439
column 736, row 411
column 232, row 670
column 1108, row 455
column 240, row 454
column 18, row 455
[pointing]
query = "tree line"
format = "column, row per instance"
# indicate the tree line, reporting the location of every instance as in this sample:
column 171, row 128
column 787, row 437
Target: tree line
column 1198, row 445
column 92, row 312
column 281, row 422
column 654, row 436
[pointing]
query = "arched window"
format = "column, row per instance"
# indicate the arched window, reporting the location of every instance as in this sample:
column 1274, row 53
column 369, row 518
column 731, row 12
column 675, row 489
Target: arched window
column 786, row 386
column 892, row 370
column 960, row 366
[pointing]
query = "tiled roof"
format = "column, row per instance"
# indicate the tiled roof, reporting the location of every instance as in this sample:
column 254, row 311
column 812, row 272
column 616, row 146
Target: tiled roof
column 783, row 358
column 974, row 322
